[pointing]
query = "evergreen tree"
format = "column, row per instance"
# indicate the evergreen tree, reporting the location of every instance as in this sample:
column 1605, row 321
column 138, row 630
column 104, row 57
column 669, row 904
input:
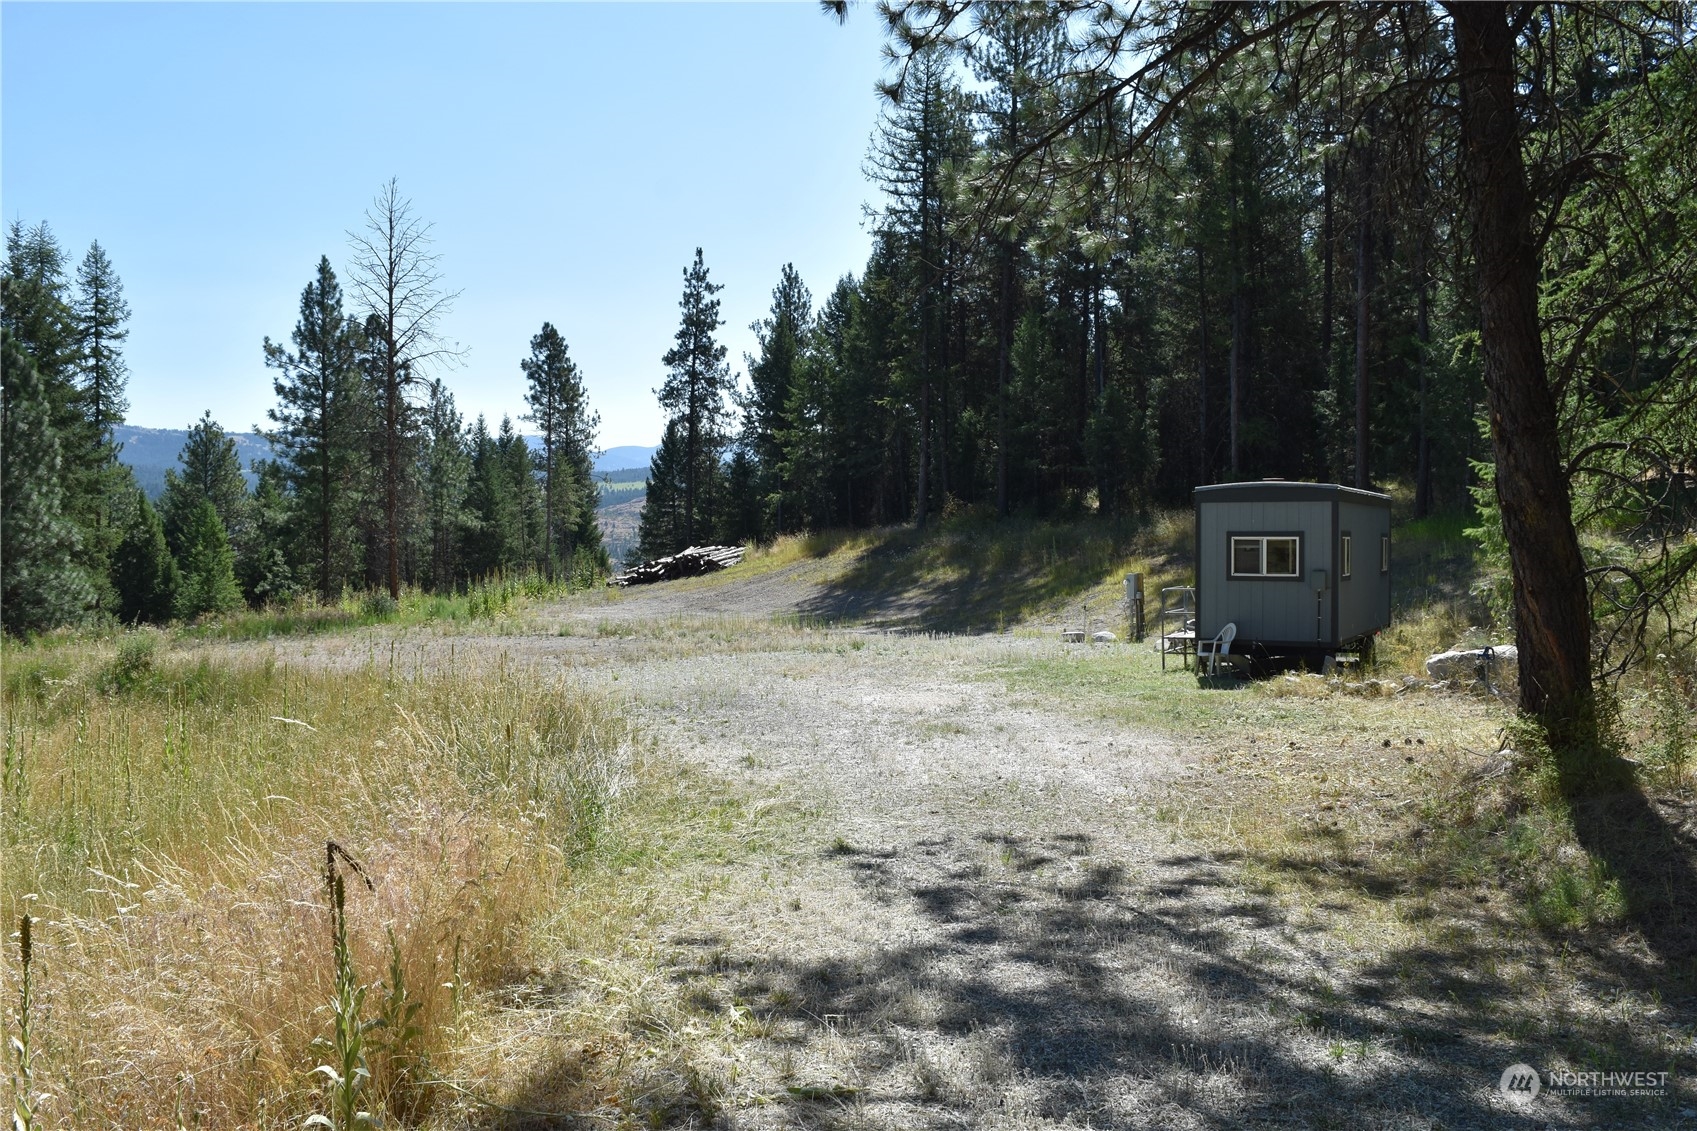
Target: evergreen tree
column 662, row 527
column 208, row 583
column 757, row 490
column 36, row 311
column 266, row 567
column 144, row 574
column 504, row 501
column 100, row 313
column 693, row 396
column 444, row 475
column 924, row 140
column 559, row 408
column 211, row 472
column 98, row 317
column 320, row 414
column 524, row 533
column 485, row 495
column 43, row 583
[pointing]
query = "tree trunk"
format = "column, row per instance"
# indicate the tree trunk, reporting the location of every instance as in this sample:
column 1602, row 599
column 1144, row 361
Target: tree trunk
column 1551, row 616
column 324, row 519
column 922, row 511
column 1003, row 346
column 1234, row 372
column 1202, row 452
column 392, row 477
column 1326, row 257
column 1363, row 289
column 1423, row 333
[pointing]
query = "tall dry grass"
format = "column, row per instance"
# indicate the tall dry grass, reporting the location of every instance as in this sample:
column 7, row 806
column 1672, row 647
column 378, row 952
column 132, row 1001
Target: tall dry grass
column 165, row 819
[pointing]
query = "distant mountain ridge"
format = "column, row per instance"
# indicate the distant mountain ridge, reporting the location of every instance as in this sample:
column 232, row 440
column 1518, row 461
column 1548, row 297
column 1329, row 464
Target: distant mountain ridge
column 151, row 452
column 627, row 455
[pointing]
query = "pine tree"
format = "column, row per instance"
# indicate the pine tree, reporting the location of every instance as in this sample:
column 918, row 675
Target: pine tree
column 100, row 313
column 267, row 565
column 444, row 475
column 144, row 574
column 211, row 472
column 522, row 505
column 559, row 408
column 661, row 530
column 772, row 378
column 320, row 414
column 504, row 501
column 208, row 584
column 924, row 139
column 43, row 584
column 693, row 395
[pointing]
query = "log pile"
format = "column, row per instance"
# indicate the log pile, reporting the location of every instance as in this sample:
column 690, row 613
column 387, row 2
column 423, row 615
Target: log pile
column 692, row 562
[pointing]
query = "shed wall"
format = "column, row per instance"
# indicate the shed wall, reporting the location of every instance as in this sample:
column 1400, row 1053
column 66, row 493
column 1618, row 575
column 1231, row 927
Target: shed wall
column 1264, row 610
column 1364, row 599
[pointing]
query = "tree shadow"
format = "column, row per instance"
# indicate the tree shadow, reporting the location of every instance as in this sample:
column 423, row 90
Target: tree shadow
column 1048, row 984
column 968, row 577
column 1650, row 853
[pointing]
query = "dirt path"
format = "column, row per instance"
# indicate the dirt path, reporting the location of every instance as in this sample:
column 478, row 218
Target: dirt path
column 968, row 916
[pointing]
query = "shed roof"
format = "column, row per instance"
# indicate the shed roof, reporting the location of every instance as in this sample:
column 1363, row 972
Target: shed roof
column 1282, row 491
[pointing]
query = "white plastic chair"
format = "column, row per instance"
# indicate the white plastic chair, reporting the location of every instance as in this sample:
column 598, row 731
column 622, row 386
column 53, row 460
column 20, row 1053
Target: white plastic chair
column 1213, row 649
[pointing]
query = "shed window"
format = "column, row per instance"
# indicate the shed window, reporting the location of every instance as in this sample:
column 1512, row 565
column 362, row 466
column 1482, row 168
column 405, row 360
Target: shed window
column 1344, row 557
column 1384, row 553
column 1265, row 556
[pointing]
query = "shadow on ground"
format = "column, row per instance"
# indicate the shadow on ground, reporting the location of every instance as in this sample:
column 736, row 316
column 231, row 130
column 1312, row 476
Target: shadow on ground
column 976, row 576
column 1649, row 850
column 1047, row 986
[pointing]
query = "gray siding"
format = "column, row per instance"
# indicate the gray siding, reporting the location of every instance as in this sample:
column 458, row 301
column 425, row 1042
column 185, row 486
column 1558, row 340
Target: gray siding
column 1267, row 610
column 1364, row 600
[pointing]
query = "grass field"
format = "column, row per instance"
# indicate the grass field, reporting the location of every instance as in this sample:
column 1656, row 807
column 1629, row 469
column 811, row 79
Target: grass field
column 166, row 820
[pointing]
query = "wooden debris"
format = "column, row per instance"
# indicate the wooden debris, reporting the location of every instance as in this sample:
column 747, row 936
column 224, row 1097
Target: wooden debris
column 692, row 562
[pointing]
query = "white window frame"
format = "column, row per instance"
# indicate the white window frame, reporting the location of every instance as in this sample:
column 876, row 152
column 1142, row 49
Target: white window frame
column 1261, row 541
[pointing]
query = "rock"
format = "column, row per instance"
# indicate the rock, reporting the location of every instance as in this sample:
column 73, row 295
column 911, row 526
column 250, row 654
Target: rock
column 1104, row 637
column 1475, row 663
column 1072, row 636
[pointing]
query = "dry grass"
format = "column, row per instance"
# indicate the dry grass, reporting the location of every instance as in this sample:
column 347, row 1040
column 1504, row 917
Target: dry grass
column 166, row 819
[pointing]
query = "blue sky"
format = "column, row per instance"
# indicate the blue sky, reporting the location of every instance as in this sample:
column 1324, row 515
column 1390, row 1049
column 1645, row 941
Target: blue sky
column 570, row 156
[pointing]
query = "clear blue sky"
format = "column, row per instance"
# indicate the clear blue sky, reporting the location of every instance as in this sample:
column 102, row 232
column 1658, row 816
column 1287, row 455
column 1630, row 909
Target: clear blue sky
column 570, row 156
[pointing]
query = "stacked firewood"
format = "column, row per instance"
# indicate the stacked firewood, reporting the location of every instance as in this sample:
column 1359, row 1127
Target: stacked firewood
column 685, row 563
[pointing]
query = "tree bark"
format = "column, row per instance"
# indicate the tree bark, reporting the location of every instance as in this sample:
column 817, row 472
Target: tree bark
column 1204, row 454
column 1551, row 614
column 1363, row 311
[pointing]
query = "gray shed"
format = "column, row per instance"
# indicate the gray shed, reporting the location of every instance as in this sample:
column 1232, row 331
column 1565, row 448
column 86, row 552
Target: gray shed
column 1300, row 568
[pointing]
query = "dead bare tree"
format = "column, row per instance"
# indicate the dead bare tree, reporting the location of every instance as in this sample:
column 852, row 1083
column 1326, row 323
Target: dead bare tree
column 396, row 283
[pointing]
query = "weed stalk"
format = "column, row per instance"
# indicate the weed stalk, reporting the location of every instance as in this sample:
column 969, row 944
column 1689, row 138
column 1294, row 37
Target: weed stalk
column 23, row 1074
column 348, row 1073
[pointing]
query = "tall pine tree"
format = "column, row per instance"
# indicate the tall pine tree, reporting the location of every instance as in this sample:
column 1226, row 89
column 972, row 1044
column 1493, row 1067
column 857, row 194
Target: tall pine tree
column 693, row 396
column 320, row 415
column 772, row 378
column 559, row 408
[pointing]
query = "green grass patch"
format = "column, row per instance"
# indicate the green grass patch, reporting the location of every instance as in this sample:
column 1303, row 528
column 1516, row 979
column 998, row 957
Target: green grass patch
column 494, row 598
